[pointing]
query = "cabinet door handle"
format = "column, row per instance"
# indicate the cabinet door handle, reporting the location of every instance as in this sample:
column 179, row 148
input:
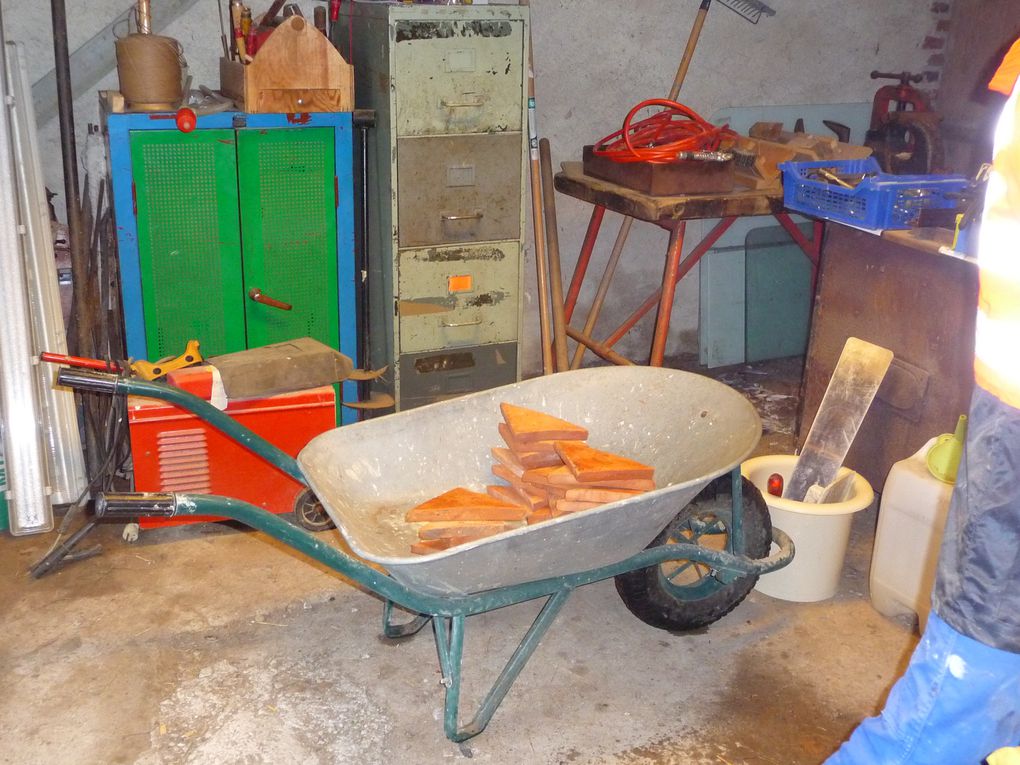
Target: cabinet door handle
column 256, row 294
column 470, row 216
column 451, row 324
column 475, row 102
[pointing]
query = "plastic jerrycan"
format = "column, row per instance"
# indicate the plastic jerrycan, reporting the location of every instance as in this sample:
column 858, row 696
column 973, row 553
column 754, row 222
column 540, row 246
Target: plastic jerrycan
column 911, row 519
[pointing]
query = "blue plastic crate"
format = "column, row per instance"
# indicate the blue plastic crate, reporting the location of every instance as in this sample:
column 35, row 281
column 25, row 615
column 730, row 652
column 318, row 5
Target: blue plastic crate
column 879, row 202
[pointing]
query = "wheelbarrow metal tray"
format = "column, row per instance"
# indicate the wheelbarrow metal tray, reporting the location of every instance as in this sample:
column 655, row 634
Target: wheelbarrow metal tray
column 367, row 475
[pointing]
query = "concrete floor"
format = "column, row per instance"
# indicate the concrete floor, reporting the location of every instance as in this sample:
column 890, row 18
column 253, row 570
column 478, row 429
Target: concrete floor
column 207, row 644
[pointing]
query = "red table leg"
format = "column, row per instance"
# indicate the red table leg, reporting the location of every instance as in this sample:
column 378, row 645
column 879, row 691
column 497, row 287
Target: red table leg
column 581, row 268
column 670, row 277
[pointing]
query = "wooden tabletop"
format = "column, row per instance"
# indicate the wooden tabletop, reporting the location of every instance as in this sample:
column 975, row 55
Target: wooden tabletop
column 572, row 181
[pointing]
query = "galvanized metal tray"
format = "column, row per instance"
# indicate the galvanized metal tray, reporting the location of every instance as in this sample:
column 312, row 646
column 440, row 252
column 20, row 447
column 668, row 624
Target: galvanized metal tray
column 367, row 475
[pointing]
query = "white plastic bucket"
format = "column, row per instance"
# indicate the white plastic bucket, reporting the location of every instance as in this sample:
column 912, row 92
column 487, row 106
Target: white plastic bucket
column 820, row 532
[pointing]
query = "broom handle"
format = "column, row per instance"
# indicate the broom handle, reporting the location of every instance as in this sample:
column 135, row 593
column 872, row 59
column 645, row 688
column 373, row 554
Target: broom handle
column 692, row 43
column 538, row 219
column 552, row 241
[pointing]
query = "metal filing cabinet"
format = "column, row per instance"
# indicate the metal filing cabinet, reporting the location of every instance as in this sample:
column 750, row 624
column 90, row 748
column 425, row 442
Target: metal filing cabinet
column 446, row 188
column 244, row 202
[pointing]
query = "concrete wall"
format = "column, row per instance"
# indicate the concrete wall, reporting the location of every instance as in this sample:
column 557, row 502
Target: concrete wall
column 595, row 59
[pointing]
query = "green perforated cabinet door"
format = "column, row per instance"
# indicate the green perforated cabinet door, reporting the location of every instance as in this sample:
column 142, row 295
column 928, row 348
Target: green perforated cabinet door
column 189, row 245
column 288, row 224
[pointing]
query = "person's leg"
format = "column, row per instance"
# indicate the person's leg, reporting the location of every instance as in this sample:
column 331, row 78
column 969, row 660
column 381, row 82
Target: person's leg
column 958, row 701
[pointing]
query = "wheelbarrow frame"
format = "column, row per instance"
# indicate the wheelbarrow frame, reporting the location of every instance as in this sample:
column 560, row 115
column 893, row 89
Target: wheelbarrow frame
column 447, row 613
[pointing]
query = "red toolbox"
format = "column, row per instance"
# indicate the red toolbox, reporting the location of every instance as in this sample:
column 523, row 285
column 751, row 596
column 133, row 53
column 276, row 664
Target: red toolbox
column 175, row 451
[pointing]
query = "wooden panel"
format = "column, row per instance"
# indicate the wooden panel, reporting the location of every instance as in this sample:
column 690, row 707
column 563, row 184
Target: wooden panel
column 919, row 305
column 296, row 70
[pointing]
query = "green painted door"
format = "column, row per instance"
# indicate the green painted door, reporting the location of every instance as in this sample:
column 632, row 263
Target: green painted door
column 189, row 244
column 288, row 205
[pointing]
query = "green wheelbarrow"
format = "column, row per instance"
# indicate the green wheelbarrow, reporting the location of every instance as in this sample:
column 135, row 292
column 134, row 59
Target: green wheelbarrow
column 682, row 556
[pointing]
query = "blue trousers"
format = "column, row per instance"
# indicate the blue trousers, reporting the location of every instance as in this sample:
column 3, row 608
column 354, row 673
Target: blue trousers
column 958, row 701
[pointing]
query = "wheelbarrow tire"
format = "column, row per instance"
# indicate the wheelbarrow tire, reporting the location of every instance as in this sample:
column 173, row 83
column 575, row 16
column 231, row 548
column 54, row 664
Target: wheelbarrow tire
column 696, row 599
column 309, row 513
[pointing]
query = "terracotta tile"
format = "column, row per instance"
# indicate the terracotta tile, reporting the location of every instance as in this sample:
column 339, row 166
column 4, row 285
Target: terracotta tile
column 590, row 464
column 573, row 506
column 464, row 505
column 559, row 475
column 538, row 516
column 506, row 494
column 429, row 546
column 527, row 425
column 600, row 495
column 532, row 494
column 506, row 458
column 538, row 459
column 461, row 530
column 519, row 447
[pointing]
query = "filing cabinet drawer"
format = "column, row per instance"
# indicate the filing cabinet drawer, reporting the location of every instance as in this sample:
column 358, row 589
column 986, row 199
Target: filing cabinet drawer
column 429, row 377
column 457, row 296
column 458, row 76
column 459, row 189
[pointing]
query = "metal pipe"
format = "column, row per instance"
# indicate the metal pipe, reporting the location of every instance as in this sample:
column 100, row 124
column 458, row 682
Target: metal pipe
column 144, row 17
column 72, row 195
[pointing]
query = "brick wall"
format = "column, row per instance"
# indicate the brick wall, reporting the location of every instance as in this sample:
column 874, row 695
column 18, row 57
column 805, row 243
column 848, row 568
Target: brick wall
column 935, row 44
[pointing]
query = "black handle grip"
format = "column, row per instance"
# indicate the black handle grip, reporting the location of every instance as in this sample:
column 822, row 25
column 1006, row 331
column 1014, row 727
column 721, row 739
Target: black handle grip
column 903, row 77
column 80, row 379
column 130, row 506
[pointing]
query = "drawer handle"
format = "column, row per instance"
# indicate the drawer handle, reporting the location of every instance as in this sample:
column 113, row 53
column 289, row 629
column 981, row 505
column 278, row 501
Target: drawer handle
column 256, row 294
column 472, row 216
column 477, row 101
column 451, row 324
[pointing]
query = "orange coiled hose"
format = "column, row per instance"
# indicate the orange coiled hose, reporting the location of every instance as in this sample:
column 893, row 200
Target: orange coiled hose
column 660, row 138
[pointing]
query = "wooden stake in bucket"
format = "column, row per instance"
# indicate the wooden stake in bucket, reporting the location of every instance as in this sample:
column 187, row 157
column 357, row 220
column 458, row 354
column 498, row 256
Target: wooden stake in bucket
column 149, row 70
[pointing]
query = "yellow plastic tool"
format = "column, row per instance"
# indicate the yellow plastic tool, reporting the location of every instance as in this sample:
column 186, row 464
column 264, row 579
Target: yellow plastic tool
column 148, row 370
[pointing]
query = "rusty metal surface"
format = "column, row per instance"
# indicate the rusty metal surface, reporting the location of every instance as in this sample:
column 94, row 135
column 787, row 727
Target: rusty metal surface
column 459, row 189
column 573, row 182
column 456, row 296
column 919, row 305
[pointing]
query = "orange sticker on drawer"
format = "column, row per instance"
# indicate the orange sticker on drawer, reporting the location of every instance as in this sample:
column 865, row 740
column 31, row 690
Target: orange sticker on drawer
column 460, row 283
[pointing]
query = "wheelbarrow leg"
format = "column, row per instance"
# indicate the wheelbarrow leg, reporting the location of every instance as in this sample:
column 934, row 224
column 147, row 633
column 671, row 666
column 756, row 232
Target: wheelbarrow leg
column 737, row 519
column 450, row 644
column 395, row 631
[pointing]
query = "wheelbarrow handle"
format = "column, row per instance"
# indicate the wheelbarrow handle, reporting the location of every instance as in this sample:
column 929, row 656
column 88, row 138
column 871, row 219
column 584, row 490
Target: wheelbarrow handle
column 131, row 506
column 81, row 379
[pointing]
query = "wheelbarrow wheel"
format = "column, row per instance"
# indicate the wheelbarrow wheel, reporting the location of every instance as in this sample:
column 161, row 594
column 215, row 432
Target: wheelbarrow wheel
column 685, row 595
column 309, row 513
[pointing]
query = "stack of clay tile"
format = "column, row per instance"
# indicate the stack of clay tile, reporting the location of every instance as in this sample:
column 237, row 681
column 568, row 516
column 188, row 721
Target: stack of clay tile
column 548, row 471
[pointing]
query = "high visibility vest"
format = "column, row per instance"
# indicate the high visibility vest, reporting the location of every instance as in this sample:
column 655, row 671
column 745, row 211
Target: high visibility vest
column 997, row 336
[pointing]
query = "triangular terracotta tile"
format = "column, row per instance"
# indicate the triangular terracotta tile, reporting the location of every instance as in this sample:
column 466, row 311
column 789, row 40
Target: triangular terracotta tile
column 590, row 465
column 464, row 505
column 527, row 425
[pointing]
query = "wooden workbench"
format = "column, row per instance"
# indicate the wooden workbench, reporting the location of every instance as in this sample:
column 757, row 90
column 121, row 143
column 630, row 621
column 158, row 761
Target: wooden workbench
column 671, row 213
column 573, row 182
